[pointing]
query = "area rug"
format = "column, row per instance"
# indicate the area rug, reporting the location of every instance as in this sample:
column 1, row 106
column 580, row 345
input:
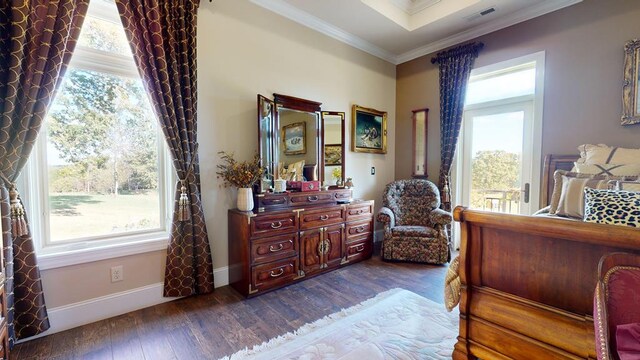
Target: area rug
column 396, row 324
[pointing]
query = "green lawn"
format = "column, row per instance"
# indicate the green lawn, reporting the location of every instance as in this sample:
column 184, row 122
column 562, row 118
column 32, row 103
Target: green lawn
column 76, row 215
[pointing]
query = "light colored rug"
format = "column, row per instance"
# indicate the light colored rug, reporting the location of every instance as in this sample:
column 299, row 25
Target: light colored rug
column 396, row 324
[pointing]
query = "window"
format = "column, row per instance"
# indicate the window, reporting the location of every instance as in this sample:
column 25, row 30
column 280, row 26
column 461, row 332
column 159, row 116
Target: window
column 499, row 151
column 98, row 174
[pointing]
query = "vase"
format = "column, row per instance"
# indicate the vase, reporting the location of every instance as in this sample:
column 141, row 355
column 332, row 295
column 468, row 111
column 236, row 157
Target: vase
column 245, row 199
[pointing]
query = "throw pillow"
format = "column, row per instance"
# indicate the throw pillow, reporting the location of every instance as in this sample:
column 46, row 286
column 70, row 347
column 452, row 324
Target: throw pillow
column 558, row 184
column 608, row 169
column 571, row 202
column 603, row 154
column 452, row 285
column 612, row 207
column 628, row 341
column 629, row 186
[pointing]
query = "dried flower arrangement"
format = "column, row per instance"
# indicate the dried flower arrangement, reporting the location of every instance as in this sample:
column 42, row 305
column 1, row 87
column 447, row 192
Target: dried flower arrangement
column 239, row 174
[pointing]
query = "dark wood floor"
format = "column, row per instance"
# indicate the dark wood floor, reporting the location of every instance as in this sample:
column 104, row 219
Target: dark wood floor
column 212, row 326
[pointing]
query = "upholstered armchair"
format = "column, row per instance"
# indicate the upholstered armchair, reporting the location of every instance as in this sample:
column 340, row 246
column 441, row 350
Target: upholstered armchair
column 414, row 226
column 616, row 307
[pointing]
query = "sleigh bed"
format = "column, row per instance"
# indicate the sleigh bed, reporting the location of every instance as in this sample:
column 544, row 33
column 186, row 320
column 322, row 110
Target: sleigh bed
column 528, row 281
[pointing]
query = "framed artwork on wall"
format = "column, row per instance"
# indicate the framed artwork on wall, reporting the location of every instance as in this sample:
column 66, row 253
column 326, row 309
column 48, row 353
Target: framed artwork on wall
column 294, row 138
column 630, row 91
column 368, row 130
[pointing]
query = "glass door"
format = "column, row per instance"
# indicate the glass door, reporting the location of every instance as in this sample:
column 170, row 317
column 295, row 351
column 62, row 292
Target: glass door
column 497, row 158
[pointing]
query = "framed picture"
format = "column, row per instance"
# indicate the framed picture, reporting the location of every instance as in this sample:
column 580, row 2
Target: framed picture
column 332, row 154
column 294, row 138
column 630, row 88
column 368, row 130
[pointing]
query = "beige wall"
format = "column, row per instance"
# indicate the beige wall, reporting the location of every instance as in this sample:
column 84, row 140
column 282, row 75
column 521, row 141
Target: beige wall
column 244, row 50
column 583, row 79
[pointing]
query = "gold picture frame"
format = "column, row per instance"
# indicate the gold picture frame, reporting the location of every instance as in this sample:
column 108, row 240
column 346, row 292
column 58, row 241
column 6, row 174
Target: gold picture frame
column 294, row 138
column 630, row 93
column 368, row 130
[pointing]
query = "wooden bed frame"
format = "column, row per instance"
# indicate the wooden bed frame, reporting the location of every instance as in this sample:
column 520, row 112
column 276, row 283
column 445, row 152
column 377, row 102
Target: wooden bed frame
column 528, row 281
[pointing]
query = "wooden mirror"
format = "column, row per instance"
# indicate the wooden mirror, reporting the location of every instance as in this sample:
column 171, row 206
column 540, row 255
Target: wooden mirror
column 333, row 145
column 289, row 132
column 420, row 117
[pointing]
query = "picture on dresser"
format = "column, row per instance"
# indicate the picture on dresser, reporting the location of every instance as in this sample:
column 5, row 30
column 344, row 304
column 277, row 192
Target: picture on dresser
column 293, row 138
column 333, row 154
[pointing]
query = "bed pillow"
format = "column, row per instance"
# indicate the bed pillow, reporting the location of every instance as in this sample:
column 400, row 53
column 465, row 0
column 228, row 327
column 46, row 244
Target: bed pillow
column 612, row 207
column 558, row 184
column 603, row 154
column 608, row 169
column 571, row 203
column 629, row 186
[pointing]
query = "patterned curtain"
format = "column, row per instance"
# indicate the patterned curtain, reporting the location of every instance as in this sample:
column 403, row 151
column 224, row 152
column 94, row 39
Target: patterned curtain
column 36, row 42
column 455, row 66
column 162, row 34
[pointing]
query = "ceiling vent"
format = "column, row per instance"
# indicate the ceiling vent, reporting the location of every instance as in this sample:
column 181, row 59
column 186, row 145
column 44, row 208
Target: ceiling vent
column 480, row 14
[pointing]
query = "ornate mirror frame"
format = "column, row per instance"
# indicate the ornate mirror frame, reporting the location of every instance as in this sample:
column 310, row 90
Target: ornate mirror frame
column 630, row 93
column 333, row 146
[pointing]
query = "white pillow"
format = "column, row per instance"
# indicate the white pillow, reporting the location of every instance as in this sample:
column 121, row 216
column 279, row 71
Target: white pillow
column 608, row 169
column 604, row 154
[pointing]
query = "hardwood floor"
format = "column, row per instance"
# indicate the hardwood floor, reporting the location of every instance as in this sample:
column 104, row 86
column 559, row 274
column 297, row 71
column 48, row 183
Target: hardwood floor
column 214, row 325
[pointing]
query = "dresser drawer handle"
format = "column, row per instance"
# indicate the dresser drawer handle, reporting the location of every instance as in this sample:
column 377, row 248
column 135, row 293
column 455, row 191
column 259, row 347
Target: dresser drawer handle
column 360, row 229
column 324, row 217
column 358, row 212
column 276, row 201
column 312, row 198
column 359, row 248
column 277, row 225
column 276, row 249
column 275, row 275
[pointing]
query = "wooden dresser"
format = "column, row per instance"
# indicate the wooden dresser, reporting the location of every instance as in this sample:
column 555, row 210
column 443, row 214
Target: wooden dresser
column 295, row 236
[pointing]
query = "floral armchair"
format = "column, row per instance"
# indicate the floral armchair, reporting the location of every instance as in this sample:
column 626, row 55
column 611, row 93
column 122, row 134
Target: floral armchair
column 414, row 226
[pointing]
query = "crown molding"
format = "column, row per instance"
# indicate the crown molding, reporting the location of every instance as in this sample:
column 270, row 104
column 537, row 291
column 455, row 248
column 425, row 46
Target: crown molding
column 283, row 8
column 304, row 18
column 494, row 25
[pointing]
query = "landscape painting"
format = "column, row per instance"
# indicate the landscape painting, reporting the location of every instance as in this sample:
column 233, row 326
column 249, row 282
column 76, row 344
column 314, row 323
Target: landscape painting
column 293, row 137
column 369, row 130
column 333, row 154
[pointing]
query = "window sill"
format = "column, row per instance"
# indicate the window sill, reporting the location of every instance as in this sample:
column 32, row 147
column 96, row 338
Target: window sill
column 60, row 258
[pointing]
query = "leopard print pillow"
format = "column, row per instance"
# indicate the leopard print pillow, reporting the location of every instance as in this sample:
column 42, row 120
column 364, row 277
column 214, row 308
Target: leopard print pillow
column 612, row 207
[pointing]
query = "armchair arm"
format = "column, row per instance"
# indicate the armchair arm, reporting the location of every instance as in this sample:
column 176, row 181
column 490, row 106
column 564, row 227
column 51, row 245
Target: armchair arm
column 441, row 217
column 386, row 216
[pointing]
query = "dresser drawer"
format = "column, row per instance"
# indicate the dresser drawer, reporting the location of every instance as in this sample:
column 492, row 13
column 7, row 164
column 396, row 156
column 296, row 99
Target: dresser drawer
column 271, row 199
column 273, row 274
column 343, row 195
column 319, row 197
column 274, row 248
column 359, row 249
column 317, row 218
column 358, row 211
column 358, row 229
column 273, row 224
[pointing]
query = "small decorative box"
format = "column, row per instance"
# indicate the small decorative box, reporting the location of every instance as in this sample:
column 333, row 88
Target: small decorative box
column 303, row 185
column 310, row 186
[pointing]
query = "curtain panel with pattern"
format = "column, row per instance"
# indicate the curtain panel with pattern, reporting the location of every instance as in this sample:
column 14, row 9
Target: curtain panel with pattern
column 37, row 39
column 455, row 67
column 162, row 35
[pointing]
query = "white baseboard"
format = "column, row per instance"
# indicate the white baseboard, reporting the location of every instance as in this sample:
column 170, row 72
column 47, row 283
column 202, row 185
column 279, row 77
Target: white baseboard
column 84, row 312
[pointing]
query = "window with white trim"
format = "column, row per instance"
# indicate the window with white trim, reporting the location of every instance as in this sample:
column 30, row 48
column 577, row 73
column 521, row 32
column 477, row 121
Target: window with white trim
column 98, row 176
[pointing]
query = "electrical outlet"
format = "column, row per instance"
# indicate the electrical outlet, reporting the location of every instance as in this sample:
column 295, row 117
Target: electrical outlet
column 373, row 170
column 117, row 274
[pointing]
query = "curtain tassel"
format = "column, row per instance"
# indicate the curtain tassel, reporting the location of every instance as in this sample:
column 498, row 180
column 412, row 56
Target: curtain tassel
column 18, row 222
column 184, row 205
